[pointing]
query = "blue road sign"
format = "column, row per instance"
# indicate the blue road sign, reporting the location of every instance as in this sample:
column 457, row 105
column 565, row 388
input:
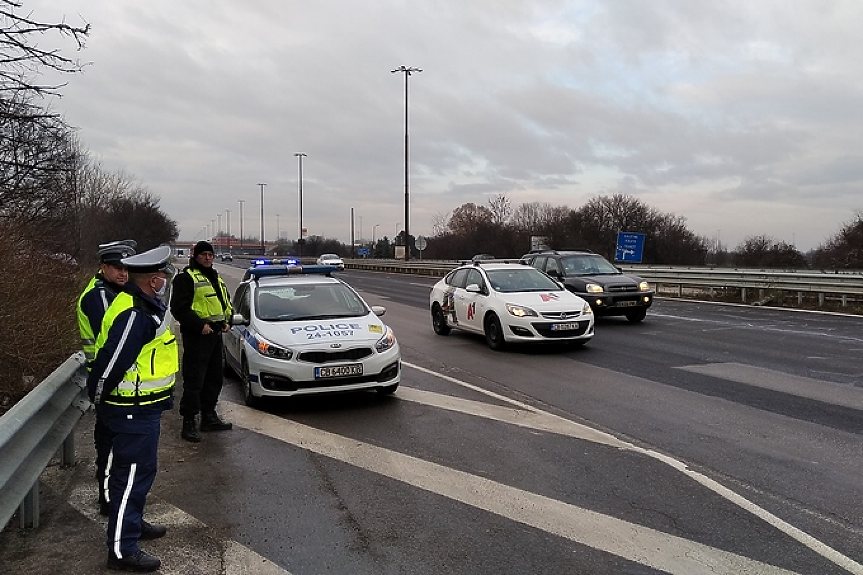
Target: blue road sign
column 630, row 247
column 362, row 251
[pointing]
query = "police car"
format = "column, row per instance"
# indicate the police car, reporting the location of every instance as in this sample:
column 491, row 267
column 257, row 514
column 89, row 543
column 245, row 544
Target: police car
column 509, row 303
column 299, row 331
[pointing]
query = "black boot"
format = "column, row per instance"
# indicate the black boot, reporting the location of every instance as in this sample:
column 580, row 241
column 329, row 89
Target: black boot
column 141, row 562
column 211, row 422
column 151, row 530
column 190, row 429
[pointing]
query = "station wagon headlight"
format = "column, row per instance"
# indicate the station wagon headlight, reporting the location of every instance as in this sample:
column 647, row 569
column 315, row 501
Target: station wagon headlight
column 644, row 286
column 268, row 349
column 519, row 310
column 586, row 309
column 593, row 288
column 386, row 342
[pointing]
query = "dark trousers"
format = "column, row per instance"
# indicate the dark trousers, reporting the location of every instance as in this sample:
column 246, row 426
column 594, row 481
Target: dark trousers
column 202, row 373
column 102, row 439
column 132, row 464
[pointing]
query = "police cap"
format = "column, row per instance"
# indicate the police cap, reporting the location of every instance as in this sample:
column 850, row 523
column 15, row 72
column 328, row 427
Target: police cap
column 113, row 252
column 155, row 260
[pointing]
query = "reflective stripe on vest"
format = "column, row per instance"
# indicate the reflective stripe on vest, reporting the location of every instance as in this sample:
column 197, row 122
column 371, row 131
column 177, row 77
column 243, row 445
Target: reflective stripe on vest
column 151, row 377
column 88, row 337
column 205, row 302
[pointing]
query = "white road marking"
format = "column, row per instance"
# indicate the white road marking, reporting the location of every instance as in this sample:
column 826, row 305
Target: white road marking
column 826, row 391
column 554, row 422
column 669, row 553
column 231, row 557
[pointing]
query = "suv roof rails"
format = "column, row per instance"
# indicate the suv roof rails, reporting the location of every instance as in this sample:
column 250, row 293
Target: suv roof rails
column 585, row 250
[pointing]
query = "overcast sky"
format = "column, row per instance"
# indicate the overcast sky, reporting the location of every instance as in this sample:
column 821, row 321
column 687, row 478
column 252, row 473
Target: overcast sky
column 741, row 116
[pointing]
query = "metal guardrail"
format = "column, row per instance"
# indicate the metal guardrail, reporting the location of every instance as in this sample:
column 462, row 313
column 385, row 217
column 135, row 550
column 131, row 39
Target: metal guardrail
column 841, row 285
column 32, row 431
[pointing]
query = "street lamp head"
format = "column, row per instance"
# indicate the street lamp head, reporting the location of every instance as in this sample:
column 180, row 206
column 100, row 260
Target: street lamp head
column 300, row 154
column 406, row 70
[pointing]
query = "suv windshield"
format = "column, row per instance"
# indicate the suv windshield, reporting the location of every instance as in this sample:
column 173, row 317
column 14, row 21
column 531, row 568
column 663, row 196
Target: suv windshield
column 519, row 280
column 587, row 265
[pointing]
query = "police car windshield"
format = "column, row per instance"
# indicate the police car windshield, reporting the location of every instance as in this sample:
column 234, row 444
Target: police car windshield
column 521, row 280
column 305, row 302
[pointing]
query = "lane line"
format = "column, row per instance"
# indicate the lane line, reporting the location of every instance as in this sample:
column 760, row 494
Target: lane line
column 579, row 430
column 669, row 553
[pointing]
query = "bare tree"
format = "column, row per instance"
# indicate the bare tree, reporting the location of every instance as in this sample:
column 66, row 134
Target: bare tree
column 844, row 250
column 501, row 209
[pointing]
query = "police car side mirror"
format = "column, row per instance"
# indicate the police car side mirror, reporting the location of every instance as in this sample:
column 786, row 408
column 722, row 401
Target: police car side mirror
column 238, row 319
column 379, row 310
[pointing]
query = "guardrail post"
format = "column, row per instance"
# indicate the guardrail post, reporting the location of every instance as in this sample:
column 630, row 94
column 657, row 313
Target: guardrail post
column 800, row 298
column 29, row 508
column 67, row 452
column 844, row 300
column 821, row 299
column 743, row 295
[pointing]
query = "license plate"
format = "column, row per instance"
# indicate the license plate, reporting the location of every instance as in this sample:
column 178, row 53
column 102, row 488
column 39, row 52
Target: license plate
column 626, row 303
column 339, row 371
column 565, row 326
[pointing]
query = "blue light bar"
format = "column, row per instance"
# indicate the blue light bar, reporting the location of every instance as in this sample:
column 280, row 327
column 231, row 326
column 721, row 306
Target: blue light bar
column 268, row 262
column 284, row 270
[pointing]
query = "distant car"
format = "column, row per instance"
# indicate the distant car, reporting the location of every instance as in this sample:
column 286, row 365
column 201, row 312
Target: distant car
column 481, row 257
column 226, row 257
column 509, row 303
column 589, row 275
column 331, row 260
column 299, row 331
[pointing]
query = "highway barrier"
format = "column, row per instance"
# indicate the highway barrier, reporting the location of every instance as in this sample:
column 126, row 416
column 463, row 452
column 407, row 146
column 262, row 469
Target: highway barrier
column 32, row 432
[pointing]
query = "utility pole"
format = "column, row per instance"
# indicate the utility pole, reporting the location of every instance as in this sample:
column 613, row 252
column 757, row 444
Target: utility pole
column 263, row 248
column 300, row 156
column 228, row 232
column 241, row 222
column 407, row 72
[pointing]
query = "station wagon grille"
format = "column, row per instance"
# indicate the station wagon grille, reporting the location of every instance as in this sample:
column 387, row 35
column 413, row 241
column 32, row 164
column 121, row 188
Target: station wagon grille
column 341, row 355
column 561, row 315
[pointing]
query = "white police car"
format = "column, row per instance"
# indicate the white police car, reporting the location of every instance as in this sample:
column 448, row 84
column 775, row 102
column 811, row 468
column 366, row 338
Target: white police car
column 299, row 331
column 509, row 303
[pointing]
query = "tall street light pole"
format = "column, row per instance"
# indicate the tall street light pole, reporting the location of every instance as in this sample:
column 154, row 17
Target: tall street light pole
column 300, row 156
column 263, row 249
column 407, row 72
column 219, row 234
column 396, row 236
column 241, row 222
column 228, row 222
column 212, row 229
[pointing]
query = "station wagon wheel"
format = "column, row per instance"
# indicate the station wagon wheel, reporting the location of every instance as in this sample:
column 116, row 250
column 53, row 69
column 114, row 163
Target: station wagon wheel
column 250, row 398
column 636, row 315
column 439, row 321
column 494, row 333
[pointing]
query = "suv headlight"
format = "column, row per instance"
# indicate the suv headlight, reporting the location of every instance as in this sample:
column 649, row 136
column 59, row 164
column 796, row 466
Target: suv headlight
column 644, row 286
column 519, row 310
column 386, row 342
column 593, row 288
column 268, row 349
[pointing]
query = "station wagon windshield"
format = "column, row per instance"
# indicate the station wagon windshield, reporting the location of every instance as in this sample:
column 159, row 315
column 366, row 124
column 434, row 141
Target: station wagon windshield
column 521, row 280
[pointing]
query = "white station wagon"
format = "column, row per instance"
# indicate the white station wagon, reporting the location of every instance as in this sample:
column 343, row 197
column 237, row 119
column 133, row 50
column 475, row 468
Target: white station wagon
column 509, row 303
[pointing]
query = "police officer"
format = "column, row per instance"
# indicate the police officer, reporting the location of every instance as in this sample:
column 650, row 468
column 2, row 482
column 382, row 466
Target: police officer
column 92, row 303
column 131, row 382
column 200, row 302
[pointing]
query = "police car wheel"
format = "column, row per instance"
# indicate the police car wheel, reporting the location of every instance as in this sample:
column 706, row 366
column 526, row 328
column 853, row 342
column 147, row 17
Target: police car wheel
column 250, row 398
column 388, row 390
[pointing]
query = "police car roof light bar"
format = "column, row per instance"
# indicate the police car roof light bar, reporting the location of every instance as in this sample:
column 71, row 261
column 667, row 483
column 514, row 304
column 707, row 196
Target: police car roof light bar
column 283, row 270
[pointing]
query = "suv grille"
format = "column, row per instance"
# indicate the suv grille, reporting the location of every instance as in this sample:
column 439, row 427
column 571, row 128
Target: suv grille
column 615, row 289
column 341, row 355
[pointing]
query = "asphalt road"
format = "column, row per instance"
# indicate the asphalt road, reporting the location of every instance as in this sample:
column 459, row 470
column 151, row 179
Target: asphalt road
column 707, row 439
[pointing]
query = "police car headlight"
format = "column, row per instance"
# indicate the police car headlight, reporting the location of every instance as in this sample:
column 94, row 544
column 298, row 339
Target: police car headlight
column 519, row 310
column 386, row 342
column 644, row 286
column 268, row 349
column 593, row 288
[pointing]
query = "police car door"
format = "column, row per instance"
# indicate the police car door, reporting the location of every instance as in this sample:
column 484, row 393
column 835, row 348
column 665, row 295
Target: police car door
column 234, row 337
column 470, row 304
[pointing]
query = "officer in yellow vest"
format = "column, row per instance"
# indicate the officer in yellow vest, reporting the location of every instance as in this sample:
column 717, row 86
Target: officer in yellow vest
column 200, row 302
column 131, row 382
column 92, row 303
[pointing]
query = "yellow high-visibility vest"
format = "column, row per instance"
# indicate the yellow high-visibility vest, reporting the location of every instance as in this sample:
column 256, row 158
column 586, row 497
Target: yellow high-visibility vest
column 151, row 377
column 206, row 302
